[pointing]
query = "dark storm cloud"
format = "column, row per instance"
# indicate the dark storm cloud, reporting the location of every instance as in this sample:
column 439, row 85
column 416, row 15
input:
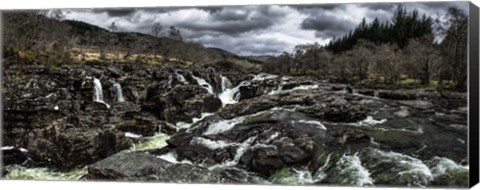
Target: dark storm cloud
column 331, row 6
column 326, row 26
column 233, row 21
column 232, row 27
column 115, row 12
column 325, row 22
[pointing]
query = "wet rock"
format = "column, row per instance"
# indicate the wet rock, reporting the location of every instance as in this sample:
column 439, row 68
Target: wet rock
column 263, row 103
column 293, row 155
column 71, row 147
column 167, row 128
column 145, row 167
column 258, row 88
column 337, row 113
column 263, row 160
column 143, row 124
column 183, row 103
column 348, row 136
column 23, row 158
column 367, row 92
column 397, row 95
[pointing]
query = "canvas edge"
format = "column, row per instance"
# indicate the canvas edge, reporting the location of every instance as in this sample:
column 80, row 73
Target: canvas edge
column 473, row 99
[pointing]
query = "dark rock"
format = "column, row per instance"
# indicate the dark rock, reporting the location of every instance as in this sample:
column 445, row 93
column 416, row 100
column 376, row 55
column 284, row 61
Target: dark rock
column 293, row 155
column 264, row 161
column 22, row 158
column 114, row 72
column 337, row 113
column 167, row 128
column 145, row 167
column 397, row 95
column 183, row 103
column 262, row 103
column 145, row 125
column 71, row 147
column 368, row 92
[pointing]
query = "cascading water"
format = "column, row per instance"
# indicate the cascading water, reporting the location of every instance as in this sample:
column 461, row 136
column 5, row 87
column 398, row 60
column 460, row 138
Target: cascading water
column 117, row 89
column 226, row 84
column 350, row 171
column 98, row 92
column 204, row 84
column 232, row 95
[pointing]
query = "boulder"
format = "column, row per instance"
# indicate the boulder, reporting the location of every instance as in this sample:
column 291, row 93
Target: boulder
column 138, row 166
column 337, row 113
column 72, row 147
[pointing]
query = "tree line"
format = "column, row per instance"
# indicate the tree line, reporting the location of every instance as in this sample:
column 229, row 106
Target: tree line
column 405, row 49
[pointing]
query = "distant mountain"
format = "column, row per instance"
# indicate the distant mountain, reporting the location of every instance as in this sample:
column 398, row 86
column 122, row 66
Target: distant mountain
column 253, row 59
column 222, row 51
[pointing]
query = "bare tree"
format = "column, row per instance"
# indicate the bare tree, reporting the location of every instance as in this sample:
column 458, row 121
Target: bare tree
column 387, row 63
column 454, row 47
column 156, row 31
column 423, row 59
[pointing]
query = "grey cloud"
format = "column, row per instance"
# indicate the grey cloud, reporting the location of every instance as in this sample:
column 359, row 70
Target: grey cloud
column 236, row 21
column 327, row 26
column 120, row 12
column 324, row 22
column 382, row 16
column 331, row 6
column 445, row 5
column 246, row 45
column 231, row 27
column 380, row 6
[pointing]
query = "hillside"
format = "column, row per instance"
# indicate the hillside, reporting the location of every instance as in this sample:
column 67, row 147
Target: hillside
column 77, row 41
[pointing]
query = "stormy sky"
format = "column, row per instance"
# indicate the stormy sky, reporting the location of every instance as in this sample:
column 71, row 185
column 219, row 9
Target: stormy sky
column 254, row 30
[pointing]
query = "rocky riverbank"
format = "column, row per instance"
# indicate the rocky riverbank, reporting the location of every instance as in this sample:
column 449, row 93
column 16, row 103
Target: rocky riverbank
column 148, row 122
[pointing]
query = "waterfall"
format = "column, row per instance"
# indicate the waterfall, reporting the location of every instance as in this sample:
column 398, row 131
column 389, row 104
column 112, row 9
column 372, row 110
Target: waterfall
column 98, row 92
column 180, row 77
column 226, row 84
column 117, row 89
column 232, row 95
column 204, row 84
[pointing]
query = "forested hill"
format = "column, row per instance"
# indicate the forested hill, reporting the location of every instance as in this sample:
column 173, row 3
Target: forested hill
column 58, row 41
